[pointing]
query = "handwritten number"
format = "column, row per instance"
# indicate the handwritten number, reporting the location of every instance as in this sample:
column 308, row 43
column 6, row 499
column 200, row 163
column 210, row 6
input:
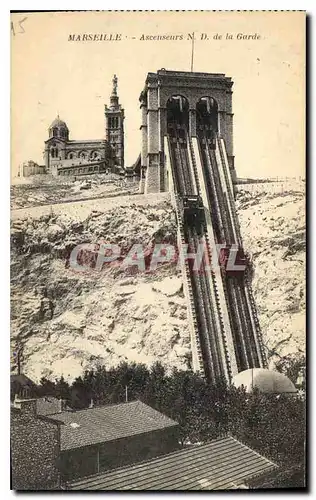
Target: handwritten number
column 22, row 30
column 20, row 23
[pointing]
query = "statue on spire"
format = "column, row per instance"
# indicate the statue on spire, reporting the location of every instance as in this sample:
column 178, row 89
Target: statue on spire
column 114, row 81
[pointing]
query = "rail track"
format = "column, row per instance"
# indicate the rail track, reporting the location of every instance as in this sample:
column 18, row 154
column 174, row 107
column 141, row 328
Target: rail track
column 214, row 359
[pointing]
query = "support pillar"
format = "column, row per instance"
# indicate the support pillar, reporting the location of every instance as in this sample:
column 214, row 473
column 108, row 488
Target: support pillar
column 222, row 124
column 192, row 122
column 152, row 182
column 162, row 124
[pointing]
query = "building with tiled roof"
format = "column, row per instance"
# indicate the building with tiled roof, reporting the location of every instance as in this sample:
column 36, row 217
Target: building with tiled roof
column 22, row 386
column 105, row 437
column 223, row 464
column 34, row 446
column 103, row 424
column 91, row 440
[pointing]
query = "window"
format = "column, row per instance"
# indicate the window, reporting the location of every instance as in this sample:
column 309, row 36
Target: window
column 114, row 122
column 55, row 132
column 94, row 155
column 54, row 152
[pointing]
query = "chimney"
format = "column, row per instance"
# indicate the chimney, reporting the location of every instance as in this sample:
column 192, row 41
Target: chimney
column 61, row 405
column 27, row 406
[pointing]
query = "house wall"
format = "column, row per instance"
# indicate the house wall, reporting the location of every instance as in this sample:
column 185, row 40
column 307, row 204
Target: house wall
column 93, row 459
column 35, row 448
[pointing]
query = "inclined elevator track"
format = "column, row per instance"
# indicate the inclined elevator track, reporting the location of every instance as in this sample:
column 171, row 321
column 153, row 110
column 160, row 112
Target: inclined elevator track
column 208, row 336
column 243, row 315
column 206, row 315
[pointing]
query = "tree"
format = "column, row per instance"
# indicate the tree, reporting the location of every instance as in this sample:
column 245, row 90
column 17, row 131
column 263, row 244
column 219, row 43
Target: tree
column 46, row 387
column 62, row 389
column 292, row 365
column 273, row 425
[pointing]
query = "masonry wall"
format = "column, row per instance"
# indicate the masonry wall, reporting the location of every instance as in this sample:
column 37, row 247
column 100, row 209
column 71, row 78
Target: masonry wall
column 33, row 169
column 35, row 445
column 93, row 459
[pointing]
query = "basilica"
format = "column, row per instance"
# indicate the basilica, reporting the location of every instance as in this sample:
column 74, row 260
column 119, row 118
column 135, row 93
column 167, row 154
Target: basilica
column 64, row 156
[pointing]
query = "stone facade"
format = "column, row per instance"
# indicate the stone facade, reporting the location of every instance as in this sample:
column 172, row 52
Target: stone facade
column 72, row 157
column 35, row 448
column 160, row 87
column 31, row 168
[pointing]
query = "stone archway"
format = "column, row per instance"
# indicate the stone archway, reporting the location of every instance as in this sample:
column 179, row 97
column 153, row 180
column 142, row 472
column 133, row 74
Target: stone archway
column 207, row 114
column 178, row 110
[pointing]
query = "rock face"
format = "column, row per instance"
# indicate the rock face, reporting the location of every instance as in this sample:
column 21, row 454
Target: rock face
column 68, row 321
column 273, row 229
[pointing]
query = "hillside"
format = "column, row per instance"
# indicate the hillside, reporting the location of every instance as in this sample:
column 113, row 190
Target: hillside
column 69, row 321
column 273, row 227
column 44, row 189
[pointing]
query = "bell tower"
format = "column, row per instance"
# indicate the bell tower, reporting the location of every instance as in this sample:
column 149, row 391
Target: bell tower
column 114, row 126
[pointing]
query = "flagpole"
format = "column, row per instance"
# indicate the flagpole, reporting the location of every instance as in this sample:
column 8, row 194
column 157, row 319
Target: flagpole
column 192, row 53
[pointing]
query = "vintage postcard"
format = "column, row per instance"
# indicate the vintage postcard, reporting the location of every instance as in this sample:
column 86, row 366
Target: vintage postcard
column 157, row 250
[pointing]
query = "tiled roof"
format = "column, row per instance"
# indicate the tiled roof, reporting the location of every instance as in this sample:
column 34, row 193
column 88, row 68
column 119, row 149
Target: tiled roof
column 108, row 423
column 48, row 418
column 219, row 465
column 23, row 380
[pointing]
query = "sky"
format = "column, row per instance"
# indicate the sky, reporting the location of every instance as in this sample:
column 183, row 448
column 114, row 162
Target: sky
column 51, row 75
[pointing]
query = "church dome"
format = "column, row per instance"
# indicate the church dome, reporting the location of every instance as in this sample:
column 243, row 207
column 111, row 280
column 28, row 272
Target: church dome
column 266, row 381
column 58, row 123
column 59, row 129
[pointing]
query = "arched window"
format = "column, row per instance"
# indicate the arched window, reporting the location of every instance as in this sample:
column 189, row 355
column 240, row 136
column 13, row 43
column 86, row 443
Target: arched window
column 54, row 152
column 177, row 111
column 207, row 116
column 55, row 132
column 83, row 155
column 94, row 155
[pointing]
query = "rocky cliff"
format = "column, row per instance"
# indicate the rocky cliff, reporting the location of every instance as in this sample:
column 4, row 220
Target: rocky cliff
column 68, row 321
